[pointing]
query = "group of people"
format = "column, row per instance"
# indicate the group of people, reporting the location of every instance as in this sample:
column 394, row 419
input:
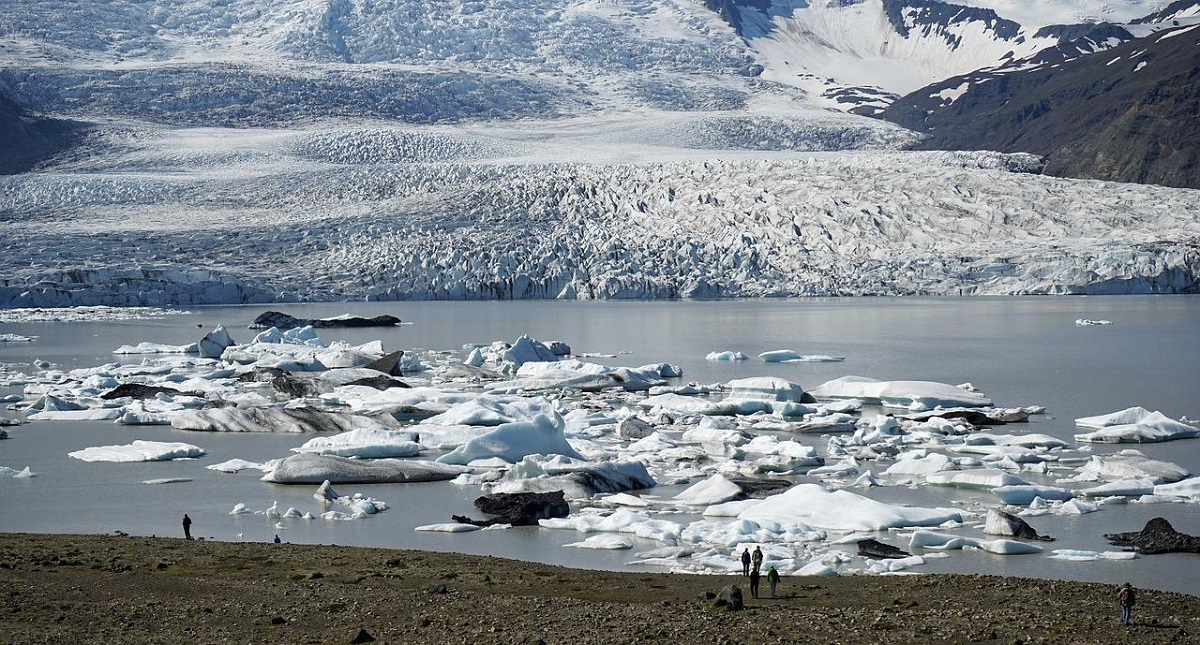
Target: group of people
column 752, row 565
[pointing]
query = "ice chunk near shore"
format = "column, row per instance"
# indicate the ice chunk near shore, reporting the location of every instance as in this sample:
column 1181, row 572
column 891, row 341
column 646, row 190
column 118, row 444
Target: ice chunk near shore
column 309, row 468
column 139, row 451
column 619, row 521
column 513, row 441
column 365, row 443
column 607, row 542
column 912, row 395
column 1024, row 495
column 359, row 504
column 980, row 478
column 841, row 510
column 1134, row 425
column 24, row 473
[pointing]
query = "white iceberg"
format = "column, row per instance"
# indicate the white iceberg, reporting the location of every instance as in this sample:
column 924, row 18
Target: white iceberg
column 841, row 510
column 1134, row 425
column 513, row 441
column 309, row 468
column 365, row 443
column 139, row 451
column 913, row 395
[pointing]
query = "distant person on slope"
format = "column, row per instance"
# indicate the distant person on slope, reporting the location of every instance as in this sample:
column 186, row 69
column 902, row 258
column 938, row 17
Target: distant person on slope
column 1126, row 597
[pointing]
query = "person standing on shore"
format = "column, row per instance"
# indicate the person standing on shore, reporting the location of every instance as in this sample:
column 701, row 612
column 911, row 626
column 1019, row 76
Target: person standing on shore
column 746, row 561
column 754, row 577
column 772, row 579
column 1126, row 596
column 758, row 557
column 187, row 527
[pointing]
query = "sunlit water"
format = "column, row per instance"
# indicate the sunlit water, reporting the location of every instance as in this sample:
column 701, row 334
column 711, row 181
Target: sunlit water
column 1020, row 351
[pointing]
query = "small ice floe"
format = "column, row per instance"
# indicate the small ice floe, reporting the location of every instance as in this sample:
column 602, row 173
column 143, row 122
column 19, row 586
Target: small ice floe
column 158, row 348
column 167, row 480
column 365, row 443
column 447, row 527
column 727, row 355
column 1078, row 555
column 1129, row 463
column 1088, row 322
column 790, row 356
column 1024, row 495
column 620, row 521
column 841, row 510
column 235, row 465
column 714, row 490
column 308, row 468
column 15, row 338
column 139, row 451
column 240, row 509
column 1134, row 425
column 24, row 473
column 1187, row 488
column 604, row 542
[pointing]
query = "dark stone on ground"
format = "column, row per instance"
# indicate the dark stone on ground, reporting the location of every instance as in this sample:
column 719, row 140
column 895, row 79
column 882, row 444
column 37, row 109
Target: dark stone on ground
column 518, row 509
column 730, row 597
column 873, row 548
column 281, row 320
column 361, row 636
column 1158, row 536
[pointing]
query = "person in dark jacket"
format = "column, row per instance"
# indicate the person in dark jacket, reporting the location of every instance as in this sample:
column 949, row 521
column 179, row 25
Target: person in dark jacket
column 187, row 527
column 754, row 577
column 1126, row 598
column 746, row 561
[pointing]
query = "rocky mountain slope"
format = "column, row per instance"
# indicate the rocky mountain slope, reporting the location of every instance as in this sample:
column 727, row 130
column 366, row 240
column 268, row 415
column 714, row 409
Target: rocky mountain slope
column 1128, row 114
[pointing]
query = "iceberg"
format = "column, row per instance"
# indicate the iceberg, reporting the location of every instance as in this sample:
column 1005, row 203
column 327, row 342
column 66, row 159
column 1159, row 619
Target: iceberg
column 311, row 468
column 1134, row 425
column 295, row 420
column 1130, row 463
column 913, row 395
column 790, row 356
column 139, row 451
column 365, row 443
column 513, row 441
column 726, row 356
column 577, row 479
column 840, row 510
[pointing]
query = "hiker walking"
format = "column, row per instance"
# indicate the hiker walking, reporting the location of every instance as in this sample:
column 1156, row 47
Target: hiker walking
column 1126, row 597
column 187, row 527
column 772, row 579
column 754, row 577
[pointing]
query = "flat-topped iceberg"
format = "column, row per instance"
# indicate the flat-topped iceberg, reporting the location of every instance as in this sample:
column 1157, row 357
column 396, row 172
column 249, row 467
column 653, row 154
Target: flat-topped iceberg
column 840, row 510
column 1130, row 463
column 365, row 443
column 576, row 478
column 791, row 356
column 311, row 468
column 139, row 451
column 912, row 395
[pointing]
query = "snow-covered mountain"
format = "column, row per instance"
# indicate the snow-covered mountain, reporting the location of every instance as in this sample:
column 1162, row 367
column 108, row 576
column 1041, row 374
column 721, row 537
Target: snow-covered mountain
column 241, row 151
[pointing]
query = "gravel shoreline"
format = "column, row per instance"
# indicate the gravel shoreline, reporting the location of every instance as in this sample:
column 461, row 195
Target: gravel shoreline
column 142, row 590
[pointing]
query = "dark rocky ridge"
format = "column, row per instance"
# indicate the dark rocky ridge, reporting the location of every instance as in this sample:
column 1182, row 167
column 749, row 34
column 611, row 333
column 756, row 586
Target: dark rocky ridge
column 25, row 142
column 1128, row 114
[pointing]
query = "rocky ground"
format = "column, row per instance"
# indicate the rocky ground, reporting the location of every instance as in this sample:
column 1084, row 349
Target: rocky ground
column 102, row 589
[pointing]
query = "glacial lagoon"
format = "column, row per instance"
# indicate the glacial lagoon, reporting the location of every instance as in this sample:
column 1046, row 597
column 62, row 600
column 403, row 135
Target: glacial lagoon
column 1019, row 351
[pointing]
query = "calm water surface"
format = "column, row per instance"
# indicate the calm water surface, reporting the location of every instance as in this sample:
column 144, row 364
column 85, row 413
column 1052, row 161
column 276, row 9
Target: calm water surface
column 1020, row 351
